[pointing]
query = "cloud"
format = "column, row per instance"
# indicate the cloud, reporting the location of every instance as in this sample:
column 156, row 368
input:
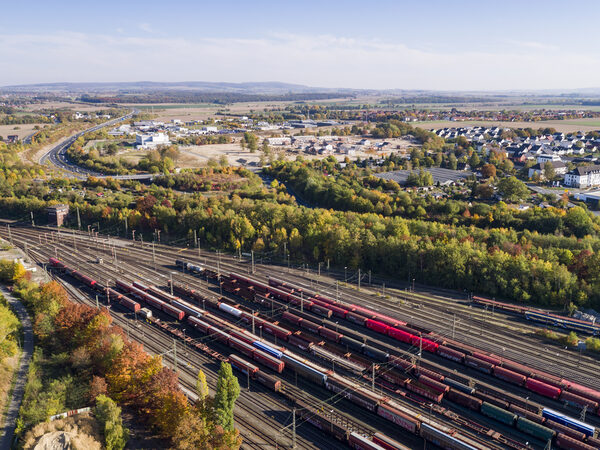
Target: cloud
column 317, row 60
column 146, row 27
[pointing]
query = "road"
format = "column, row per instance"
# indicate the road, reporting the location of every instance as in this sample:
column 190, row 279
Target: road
column 57, row 155
column 19, row 387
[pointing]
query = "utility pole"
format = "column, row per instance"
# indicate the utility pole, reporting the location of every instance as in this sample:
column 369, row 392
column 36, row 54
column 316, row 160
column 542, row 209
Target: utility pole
column 373, row 378
column 453, row 325
column 175, row 354
column 359, row 278
column 9, row 235
column 153, row 256
column 252, row 253
column 253, row 322
column 133, row 235
column 294, row 428
column 301, row 301
column 74, row 245
column 171, row 274
column 195, row 238
column 32, row 222
column 97, row 305
column 337, row 290
column 78, row 219
column 125, row 220
column 420, row 346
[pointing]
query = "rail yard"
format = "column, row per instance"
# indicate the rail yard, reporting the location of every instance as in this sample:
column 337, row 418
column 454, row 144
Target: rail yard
column 325, row 363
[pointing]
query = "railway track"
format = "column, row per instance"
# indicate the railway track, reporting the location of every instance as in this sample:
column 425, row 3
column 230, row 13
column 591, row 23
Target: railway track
column 143, row 258
column 268, row 435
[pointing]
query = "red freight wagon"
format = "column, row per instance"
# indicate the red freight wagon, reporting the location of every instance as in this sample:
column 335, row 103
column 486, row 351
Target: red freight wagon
column 398, row 417
column 393, row 377
column 526, row 413
column 367, row 313
column 321, row 310
column 172, row 311
column 241, row 346
column 141, row 286
column 595, row 442
column 129, row 304
column 515, row 367
column 578, row 401
column 542, row 388
column 199, row 324
column 56, row 263
column 299, row 342
column 291, row 318
column 356, row 318
column 86, row 280
column 419, row 370
column 478, row 364
column 269, row 381
column 464, row 399
column 338, row 311
column 424, row 391
column 242, row 336
column 242, row 366
column 427, row 345
column 584, row 392
column 275, row 330
column 548, row 379
column 219, row 335
column 403, row 364
column 509, row 375
column 448, row 353
column 267, row 360
column 389, row 320
column 330, row 334
column 488, row 358
column 399, row 335
column 434, row 384
column 560, row 428
column 569, row 443
column 310, row 326
column 377, row 326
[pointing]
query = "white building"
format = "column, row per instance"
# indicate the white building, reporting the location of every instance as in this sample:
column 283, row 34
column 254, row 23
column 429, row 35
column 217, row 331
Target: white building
column 210, row 129
column 584, row 176
column 143, row 141
column 279, row 141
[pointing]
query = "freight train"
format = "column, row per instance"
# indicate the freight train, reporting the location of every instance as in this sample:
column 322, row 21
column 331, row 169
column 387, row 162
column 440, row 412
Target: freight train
column 111, row 294
column 536, row 315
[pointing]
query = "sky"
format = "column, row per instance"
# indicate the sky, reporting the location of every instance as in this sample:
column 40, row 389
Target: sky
column 371, row 44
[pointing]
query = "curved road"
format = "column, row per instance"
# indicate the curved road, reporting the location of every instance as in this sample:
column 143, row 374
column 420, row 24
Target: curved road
column 10, row 420
column 57, row 155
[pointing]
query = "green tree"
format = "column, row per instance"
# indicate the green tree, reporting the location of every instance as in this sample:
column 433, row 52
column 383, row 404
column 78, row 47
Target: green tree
column 474, row 160
column 579, row 221
column 512, row 189
column 228, row 390
column 549, row 171
column 572, row 340
column 109, row 415
column 251, row 141
column 488, row 171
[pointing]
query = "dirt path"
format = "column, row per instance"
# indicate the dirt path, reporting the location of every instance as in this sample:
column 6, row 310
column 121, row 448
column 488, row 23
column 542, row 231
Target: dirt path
column 8, row 430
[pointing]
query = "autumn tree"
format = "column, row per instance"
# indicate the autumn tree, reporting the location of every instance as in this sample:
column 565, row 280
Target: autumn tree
column 228, row 390
column 488, row 171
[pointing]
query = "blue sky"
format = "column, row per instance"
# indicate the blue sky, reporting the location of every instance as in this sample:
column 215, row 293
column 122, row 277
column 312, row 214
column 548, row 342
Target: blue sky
column 445, row 45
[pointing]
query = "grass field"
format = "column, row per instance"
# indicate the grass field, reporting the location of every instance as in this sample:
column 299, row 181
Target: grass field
column 23, row 129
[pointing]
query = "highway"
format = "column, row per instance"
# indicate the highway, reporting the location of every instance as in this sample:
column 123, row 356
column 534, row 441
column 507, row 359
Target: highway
column 56, row 156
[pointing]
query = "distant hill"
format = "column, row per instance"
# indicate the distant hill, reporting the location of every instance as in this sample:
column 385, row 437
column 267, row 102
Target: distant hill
column 267, row 87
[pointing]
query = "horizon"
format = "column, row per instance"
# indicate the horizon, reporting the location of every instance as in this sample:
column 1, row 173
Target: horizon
column 336, row 45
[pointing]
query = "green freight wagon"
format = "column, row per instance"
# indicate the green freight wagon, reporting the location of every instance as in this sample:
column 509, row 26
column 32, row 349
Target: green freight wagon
column 501, row 415
column 535, row 429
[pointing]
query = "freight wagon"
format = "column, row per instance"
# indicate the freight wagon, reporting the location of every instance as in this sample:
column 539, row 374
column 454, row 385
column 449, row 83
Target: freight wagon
column 442, row 439
column 570, row 422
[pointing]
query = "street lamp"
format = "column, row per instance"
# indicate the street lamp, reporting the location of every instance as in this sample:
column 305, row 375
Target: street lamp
column 345, row 275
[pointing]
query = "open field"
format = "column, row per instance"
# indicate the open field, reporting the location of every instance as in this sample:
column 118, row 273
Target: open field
column 565, row 126
column 64, row 106
column 22, row 131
